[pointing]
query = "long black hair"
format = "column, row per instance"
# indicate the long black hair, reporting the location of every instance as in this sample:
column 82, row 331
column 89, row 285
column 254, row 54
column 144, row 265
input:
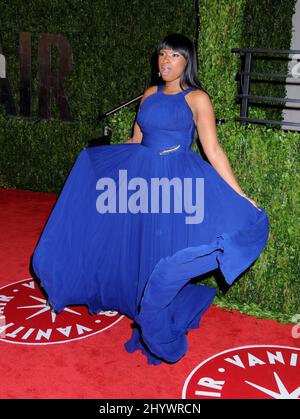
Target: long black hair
column 183, row 45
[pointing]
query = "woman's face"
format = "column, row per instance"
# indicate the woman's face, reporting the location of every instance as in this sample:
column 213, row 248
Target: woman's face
column 171, row 64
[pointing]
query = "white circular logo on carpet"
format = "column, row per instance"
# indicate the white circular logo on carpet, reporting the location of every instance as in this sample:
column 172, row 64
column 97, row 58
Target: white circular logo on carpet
column 25, row 317
column 248, row 372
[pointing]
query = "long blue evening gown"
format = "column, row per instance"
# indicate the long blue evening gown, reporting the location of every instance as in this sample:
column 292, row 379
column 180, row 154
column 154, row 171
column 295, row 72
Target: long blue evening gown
column 141, row 263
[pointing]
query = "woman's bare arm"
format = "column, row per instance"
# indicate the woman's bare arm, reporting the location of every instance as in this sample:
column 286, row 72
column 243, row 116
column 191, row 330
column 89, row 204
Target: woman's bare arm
column 205, row 121
column 137, row 134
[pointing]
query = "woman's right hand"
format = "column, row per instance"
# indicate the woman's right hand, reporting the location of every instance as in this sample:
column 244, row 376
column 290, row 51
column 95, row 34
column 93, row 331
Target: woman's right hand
column 133, row 140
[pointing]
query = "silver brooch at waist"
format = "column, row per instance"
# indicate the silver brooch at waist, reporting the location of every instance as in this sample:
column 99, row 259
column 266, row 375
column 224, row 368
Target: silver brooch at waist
column 170, row 149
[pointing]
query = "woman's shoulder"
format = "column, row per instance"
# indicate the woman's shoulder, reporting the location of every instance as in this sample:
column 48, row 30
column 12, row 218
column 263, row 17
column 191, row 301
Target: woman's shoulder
column 148, row 92
column 199, row 93
column 198, row 100
column 198, row 96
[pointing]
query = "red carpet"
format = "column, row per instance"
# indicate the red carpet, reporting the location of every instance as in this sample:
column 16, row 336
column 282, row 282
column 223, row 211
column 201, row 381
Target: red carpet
column 98, row 366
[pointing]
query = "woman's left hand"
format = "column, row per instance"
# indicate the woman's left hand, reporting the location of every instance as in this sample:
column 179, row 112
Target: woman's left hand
column 252, row 201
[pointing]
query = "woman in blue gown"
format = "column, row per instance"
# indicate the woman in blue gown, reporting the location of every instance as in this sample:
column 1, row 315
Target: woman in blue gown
column 136, row 221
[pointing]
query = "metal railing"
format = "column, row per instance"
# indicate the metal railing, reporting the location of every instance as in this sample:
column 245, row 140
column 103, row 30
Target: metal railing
column 245, row 84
